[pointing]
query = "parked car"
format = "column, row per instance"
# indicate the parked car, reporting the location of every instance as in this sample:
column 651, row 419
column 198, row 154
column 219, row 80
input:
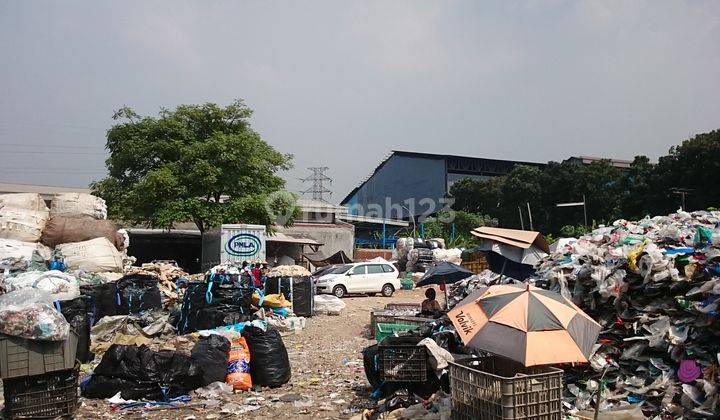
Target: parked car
column 368, row 277
column 323, row 270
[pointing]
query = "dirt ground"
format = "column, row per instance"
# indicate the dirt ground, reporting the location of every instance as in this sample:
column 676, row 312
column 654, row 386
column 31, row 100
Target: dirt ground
column 328, row 380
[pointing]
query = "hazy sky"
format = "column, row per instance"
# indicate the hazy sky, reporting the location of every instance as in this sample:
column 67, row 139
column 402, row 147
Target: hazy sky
column 341, row 83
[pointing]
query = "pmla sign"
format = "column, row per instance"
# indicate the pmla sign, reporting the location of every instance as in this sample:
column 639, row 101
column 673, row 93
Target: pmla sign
column 243, row 245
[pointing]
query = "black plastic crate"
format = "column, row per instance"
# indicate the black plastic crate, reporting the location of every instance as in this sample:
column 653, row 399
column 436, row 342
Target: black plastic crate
column 496, row 388
column 46, row 396
column 400, row 359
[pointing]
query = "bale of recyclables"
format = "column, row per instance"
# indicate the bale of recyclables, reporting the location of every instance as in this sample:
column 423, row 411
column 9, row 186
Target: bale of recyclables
column 78, row 205
column 95, row 255
column 63, row 230
column 22, row 217
column 17, row 250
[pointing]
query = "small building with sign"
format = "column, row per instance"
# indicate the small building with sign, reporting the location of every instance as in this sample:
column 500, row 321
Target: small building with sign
column 233, row 243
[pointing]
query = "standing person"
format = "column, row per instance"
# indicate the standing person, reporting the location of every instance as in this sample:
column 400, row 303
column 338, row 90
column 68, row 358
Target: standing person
column 257, row 276
column 245, row 276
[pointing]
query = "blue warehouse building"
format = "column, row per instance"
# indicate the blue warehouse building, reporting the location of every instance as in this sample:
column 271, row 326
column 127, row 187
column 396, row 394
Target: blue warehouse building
column 413, row 184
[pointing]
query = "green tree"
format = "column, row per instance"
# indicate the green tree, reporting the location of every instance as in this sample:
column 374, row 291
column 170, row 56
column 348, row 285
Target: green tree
column 520, row 186
column 478, row 196
column 199, row 163
column 455, row 226
column 636, row 199
column 692, row 165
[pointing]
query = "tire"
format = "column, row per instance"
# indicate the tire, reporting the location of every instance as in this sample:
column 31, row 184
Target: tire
column 339, row 291
column 388, row 290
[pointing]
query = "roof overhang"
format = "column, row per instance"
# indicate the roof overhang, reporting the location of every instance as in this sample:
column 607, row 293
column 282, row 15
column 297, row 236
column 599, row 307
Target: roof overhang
column 375, row 220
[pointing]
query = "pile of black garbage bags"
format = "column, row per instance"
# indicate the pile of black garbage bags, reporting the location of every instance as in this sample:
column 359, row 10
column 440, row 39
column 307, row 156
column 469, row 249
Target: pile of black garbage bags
column 140, row 373
column 137, row 372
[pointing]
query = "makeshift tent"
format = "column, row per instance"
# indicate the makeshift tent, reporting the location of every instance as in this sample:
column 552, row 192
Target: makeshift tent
column 318, row 259
column 520, row 246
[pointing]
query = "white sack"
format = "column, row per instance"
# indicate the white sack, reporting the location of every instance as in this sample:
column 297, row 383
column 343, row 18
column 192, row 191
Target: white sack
column 78, row 205
column 328, row 304
column 95, row 255
column 23, row 201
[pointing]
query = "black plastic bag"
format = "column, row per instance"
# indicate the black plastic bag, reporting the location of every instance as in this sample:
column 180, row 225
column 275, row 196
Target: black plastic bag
column 78, row 314
column 211, row 355
column 302, row 296
column 371, row 368
column 102, row 298
column 224, row 305
column 269, row 362
column 137, row 293
column 138, row 372
column 103, row 386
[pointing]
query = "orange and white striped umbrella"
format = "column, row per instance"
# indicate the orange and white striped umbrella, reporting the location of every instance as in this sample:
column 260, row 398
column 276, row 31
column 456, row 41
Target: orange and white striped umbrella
column 527, row 324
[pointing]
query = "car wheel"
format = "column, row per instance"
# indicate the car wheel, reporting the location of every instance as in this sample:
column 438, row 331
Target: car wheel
column 339, row 291
column 388, row 290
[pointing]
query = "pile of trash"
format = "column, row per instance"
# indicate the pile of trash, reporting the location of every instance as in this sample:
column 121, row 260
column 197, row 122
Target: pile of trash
column 460, row 290
column 288, row 271
column 416, row 255
column 654, row 286
column 169, row 278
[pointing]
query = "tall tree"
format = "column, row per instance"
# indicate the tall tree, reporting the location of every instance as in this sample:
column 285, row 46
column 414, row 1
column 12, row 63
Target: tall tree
column 692, row 165
column 199, row 163
column 638, row 198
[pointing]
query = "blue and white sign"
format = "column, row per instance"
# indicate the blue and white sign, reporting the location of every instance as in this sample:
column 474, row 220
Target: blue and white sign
column 244, row 245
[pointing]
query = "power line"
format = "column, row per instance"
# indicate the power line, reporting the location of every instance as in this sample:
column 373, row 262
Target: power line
column 318, row 190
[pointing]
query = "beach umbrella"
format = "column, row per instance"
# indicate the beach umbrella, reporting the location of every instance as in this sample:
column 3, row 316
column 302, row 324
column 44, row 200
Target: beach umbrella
column 444, row 273
column 527, row 324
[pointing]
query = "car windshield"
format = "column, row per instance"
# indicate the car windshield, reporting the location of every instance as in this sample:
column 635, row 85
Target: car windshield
column 340, row 270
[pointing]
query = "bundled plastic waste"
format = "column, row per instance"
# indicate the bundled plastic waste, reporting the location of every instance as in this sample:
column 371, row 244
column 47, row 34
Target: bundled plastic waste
column 167, row 276
column 419, row 259
column 59, row 285
column 209, row 305
column 29, row 313
column 63, row 230
column 328, row 305
column 95, row 255
column 16, row 255
column 452, row 255
column 78, row 205
column 654, row 285
column 288, row 271
column 458, row 291
column 22, row 216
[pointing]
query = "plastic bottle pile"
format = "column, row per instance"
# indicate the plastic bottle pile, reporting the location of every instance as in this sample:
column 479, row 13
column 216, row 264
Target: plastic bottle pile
column 654, row 285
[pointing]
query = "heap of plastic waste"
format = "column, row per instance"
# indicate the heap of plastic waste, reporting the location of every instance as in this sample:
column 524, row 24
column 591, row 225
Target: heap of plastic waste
column 654, row 286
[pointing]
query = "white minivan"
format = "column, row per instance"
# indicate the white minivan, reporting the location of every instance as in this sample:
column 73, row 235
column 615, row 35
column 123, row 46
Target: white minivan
column 369, row 277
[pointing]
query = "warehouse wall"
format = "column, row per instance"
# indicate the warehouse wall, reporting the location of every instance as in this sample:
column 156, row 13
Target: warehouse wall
column 335, row 237
column 399, row 179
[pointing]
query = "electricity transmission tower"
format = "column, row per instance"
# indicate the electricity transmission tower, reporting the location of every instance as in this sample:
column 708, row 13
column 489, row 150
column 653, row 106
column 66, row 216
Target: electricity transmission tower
column 318, row 178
